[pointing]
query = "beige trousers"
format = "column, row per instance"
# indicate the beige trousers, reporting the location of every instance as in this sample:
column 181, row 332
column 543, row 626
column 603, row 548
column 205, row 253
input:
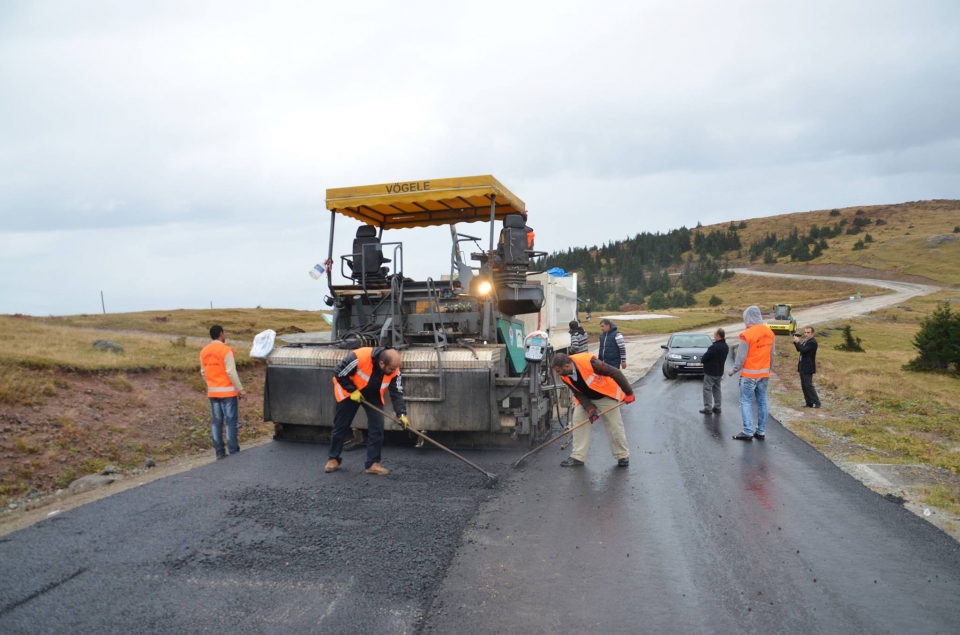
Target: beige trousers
column 612, row 422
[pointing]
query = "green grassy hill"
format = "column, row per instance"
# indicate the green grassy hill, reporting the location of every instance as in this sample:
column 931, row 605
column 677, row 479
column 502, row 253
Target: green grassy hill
column 912, row 239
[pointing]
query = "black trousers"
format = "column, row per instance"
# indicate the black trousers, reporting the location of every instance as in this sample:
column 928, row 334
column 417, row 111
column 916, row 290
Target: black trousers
column 342, row 419
column 809, row 392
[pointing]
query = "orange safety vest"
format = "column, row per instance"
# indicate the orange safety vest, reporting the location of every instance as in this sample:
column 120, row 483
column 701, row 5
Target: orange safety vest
column 212, row 358
column 602, row 384
column 760, row 339
column 362, row 376
column 530, row 236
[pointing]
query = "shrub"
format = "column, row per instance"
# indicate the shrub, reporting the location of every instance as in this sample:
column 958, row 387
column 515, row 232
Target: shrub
column 956, row 230
column 743, row 224
column 850, row 343
column 938, row 341
column 769, row 258
column 868, row 238
column 715, row 301
column 857, row 246
column 657, row 301
column 879, row 221
column 859, row 212
column 834, row 212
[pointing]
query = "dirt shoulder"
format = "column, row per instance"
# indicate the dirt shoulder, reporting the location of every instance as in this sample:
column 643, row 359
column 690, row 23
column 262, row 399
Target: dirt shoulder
column 57, row 426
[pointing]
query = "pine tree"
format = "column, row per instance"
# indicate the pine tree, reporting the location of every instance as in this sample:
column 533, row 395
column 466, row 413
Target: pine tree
column 938, row 341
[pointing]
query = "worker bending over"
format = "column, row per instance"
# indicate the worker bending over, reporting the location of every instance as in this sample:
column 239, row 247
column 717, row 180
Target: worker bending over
column 365, row 375
column 596, row 387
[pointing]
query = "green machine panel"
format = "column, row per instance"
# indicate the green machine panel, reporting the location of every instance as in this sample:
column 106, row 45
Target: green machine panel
column 511, row 333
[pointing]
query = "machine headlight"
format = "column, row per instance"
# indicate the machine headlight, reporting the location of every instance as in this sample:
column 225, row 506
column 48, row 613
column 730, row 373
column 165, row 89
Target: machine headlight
column 484, row 288
column 674, row 356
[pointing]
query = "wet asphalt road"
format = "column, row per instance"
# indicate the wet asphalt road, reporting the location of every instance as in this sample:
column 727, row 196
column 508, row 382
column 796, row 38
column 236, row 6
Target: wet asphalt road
column 701, row 534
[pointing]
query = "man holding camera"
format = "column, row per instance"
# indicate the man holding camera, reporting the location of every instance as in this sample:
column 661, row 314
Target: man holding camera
column 807, row 366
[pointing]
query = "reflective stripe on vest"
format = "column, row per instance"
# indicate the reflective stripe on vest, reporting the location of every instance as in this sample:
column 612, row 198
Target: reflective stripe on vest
column 602, row 384
column 759, row 338
column 362, row 374
column 213, row 359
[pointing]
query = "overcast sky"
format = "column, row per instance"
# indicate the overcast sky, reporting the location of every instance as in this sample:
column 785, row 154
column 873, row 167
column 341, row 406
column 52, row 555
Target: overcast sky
column 174, row 154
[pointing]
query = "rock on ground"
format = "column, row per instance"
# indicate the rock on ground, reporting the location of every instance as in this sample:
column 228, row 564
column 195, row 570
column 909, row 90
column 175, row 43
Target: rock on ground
column 108, row 345
column 89, row 482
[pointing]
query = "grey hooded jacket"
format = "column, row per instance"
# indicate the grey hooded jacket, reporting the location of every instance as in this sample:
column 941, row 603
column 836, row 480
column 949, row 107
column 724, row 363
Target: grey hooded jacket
column 751, row 317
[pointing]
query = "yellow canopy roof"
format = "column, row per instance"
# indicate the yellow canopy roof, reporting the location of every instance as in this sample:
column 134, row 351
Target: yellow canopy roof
column 424, row 203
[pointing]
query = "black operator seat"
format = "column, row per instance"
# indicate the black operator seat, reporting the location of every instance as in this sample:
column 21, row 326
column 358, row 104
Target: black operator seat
column 367, row 253
column 513, row 240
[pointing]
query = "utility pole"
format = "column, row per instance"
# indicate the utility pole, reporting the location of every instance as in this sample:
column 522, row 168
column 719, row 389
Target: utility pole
column 211, row 304
column 102, row 304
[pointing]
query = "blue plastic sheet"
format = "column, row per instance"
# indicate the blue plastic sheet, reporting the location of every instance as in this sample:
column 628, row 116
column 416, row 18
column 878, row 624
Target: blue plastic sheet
column 557, row 272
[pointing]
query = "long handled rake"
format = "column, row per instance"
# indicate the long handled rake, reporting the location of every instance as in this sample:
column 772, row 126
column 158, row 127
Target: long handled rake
column 560, row 436
column 491, row 476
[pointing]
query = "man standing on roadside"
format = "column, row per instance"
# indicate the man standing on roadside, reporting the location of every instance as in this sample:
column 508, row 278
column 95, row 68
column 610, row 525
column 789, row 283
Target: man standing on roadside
column 365, row 375
column 218, row 365
column 595, row 386
column 754, row 361
column 578, row 339
column 807, row 366
column 613, row 350
column 713, row 361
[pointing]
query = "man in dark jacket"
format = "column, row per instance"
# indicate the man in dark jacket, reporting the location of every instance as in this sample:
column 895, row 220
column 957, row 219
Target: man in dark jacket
column 807, row 366
column 713, row 361
column 363, row 376
column 613, row 350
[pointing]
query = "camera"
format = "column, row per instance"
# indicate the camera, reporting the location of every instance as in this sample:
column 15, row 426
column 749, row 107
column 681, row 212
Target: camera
column 797, row 334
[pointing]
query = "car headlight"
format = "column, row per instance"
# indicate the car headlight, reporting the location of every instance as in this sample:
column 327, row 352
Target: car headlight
column 674, row 356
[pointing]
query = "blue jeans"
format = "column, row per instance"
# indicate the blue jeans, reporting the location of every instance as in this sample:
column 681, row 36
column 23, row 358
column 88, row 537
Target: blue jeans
column 224, row 408
column 751, row 389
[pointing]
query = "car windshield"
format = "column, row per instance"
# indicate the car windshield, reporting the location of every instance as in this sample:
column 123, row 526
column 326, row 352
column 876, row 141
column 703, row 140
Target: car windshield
column 690, row 341
column 781, row 313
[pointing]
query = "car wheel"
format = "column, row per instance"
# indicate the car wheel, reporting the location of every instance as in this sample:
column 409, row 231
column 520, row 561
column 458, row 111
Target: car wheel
column 666, row 371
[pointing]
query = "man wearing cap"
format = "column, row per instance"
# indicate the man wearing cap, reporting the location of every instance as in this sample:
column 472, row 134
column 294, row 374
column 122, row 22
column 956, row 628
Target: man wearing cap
column 596, row 387
column 218, row 366
column 365, row 375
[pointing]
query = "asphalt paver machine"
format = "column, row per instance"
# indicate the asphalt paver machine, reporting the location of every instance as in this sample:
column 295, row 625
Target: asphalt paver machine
column 464, row 352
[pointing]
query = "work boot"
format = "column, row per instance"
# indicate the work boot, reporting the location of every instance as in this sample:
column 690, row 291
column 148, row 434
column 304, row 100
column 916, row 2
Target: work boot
column 743, row 437
column 624, row 462
column 706, row 411
column 717, row 410
column 377, row 469
column 571, row 462
column 332, row 466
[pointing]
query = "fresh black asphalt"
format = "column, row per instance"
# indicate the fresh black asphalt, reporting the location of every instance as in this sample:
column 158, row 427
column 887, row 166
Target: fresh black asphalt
column 701, row 534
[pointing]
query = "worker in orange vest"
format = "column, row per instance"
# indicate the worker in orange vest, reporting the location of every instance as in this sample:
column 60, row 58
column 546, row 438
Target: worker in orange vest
column 754, row 362
column 596, row 386
column 218, row 365
column 365, row 375
column 530, row 233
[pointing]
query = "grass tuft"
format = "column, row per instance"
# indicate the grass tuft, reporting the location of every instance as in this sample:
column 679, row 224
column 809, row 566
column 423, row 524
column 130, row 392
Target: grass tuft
column 22, row 387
